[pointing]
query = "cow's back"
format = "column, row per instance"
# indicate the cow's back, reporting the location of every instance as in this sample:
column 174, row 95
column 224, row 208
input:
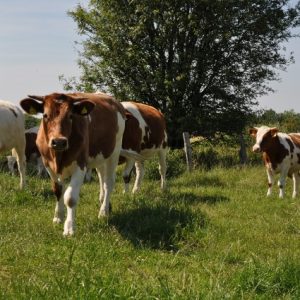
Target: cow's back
column 11, row 126
column 147, row 124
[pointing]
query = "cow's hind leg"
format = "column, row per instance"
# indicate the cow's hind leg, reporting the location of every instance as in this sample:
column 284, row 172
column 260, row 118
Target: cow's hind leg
column 127, row 173
column 162, row 167
column 71, row 197
column 296, row 180
column 19, row 153
column 140, row 171
column 108, row 184
column 281, row 182
column 100, row 172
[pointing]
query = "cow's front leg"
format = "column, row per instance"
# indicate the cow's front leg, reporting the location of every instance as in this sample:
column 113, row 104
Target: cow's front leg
column 296, row 180
column 270, row 181
column 281, row 182
column 71, row 197
column 59, row 214
column 57, row 188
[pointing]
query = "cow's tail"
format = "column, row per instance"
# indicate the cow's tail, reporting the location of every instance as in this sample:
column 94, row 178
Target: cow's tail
column 14, row 153
column 130, row 154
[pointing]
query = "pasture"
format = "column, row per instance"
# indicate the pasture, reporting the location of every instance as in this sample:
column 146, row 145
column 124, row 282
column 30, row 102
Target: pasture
column 213, row 235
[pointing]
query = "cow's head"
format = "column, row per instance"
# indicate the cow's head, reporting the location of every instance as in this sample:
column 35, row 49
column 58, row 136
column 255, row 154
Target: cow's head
column 263, row 136
column 58, row 111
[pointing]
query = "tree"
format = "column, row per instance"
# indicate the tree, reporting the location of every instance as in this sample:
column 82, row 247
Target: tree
column 290, row 121
column 31, row 121
column 202, row 62
column 287, row 121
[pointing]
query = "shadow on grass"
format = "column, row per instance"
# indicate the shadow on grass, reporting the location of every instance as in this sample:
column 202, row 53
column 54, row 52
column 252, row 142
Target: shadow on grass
column 159, row 227
column 191, row 198
column 48, row 194
column 202, row 181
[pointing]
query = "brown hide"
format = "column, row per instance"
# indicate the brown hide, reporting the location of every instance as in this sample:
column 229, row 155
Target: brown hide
column 274, row 151
column 154, row 131
column 132, row 134
column 87, row 135
column 31, row 146
column 295, row 138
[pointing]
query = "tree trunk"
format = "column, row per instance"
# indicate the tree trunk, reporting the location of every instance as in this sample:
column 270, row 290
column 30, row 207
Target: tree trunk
column 242, row 151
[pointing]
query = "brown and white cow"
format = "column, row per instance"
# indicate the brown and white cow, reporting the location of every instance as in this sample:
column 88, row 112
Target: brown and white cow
column 281, row 154
column 77, row 131
column 32, row 153
column 12, row 137
column 145, row 133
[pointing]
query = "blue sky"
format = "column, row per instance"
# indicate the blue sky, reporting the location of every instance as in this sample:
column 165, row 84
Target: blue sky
column 38, row 44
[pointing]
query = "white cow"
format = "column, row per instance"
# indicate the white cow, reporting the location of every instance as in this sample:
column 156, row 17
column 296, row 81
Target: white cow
column 12, row 135
column 32, row 153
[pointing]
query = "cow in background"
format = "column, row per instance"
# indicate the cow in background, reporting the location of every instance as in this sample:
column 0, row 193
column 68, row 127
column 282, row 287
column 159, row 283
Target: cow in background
column 281, row 154
column 12, row 135
column 32, row 153
column 78, row 131
column 145, row 133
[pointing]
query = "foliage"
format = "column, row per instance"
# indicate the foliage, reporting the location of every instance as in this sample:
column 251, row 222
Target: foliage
column 30, row 121
column 288, row 121
column 201, row 62
column 210, row 236
column 221, row 152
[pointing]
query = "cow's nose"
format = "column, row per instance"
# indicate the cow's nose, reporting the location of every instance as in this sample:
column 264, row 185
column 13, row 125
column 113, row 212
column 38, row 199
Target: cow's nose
column 256, row 148
column 59, row 144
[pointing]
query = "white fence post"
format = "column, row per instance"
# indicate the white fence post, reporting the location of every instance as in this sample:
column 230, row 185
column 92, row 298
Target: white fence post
column 188, row 151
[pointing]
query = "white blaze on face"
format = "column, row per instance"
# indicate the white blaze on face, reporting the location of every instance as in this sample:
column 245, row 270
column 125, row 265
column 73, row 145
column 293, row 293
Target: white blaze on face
column 261, row 132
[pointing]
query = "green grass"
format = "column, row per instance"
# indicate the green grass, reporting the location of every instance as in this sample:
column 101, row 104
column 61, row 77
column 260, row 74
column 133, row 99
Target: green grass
column 213, row 235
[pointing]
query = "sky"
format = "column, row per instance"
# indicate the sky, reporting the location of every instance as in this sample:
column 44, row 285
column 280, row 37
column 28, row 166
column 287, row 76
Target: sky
column 37, row 44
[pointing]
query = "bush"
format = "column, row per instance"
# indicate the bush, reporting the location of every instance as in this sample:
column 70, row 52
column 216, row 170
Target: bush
column 220, row 153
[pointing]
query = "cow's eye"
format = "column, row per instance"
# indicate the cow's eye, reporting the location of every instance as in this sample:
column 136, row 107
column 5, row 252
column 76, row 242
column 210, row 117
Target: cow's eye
column 45, row 116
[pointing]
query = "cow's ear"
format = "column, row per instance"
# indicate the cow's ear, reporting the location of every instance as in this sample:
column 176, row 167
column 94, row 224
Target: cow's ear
column 274, row 131
column 32, row 106
column 253, row 131
column 83, row 107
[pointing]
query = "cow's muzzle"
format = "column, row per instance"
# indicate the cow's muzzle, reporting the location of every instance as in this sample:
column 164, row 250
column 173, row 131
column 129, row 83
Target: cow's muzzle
column 59, row 144
column 256, row 149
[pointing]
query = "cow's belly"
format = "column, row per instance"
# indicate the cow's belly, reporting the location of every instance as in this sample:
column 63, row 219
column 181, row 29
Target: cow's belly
column 69, row 170
column 147, row 153
column 293, row 165
column 93, row 162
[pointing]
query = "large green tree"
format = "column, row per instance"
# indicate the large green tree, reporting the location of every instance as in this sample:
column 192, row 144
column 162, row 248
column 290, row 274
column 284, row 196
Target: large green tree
column 202, row 62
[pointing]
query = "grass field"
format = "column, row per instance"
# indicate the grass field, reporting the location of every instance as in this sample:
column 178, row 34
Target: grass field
column 212, row 235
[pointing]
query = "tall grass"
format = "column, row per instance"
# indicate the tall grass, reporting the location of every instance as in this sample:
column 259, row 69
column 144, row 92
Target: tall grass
column 212, row 235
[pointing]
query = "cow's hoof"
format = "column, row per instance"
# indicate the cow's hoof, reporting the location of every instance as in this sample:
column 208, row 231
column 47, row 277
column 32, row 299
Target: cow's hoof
column 57, row 220
column 103, row 213
column 68, row 233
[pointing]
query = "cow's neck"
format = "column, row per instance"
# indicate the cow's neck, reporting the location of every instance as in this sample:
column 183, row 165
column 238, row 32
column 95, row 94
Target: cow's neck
column 57, row 161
